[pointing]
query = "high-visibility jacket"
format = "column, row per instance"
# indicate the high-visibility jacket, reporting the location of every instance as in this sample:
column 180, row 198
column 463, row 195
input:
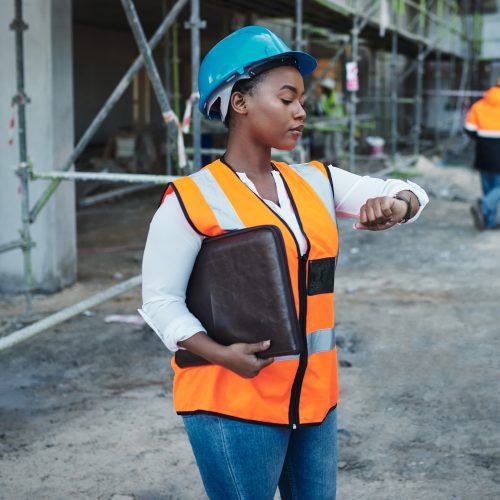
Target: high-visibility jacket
column 483, row 124
column 331, row 104
column 294, row 390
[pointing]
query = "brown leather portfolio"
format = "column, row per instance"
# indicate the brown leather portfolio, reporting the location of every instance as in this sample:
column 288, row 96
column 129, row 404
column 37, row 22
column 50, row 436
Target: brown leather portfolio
column 240, row 290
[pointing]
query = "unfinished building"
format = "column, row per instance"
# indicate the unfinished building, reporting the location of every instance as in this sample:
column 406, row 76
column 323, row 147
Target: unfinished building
column 91, row 100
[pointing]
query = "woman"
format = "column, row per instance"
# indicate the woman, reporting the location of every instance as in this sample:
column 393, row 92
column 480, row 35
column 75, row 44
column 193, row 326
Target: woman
column 255, row 423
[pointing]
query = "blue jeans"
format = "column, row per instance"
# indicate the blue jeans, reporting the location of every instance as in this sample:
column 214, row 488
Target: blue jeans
column 247, row 461
column 490, row 182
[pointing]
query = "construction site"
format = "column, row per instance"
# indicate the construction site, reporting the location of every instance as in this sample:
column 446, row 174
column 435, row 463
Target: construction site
column 99, row 112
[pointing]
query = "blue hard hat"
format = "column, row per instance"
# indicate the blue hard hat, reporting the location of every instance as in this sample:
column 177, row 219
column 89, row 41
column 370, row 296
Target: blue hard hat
column 247, row 47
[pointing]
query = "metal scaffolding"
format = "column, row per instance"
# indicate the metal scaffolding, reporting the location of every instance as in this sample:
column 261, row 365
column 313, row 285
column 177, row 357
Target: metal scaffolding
column 411, row 25
column 27, row 174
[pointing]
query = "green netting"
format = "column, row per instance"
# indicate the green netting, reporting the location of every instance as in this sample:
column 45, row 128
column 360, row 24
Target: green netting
column 422, row 15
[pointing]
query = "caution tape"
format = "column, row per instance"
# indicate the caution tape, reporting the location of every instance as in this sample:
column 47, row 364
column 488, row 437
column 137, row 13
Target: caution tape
column 16, row 100
column 12, row 124
column 182, row 128
column 170, row 116
column 186, row 119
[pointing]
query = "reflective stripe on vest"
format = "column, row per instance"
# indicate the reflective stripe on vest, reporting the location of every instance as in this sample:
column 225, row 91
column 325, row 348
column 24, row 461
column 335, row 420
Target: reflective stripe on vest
column 318, row 341
column 223, row 210
column 317, row 181
column 492, row 134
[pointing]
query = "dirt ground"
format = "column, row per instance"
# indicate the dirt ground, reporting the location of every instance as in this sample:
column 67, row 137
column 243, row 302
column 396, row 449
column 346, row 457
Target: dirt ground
column 86, row 410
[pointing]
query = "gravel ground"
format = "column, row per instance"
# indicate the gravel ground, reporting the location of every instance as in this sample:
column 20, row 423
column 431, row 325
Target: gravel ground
column 86, row 410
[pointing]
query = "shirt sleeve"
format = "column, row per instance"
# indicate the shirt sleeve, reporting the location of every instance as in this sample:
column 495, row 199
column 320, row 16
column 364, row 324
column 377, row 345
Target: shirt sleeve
column 352, row 191
column 470, row 124
column 171, row 250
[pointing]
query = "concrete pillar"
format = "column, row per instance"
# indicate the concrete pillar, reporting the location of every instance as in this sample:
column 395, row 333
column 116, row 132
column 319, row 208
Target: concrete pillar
column 49, row 128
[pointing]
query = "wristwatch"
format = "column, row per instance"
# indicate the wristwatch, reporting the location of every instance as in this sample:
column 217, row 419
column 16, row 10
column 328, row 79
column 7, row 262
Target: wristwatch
column 407, row 215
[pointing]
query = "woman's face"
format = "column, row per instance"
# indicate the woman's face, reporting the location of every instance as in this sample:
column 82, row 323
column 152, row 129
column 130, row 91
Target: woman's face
column 275, row 113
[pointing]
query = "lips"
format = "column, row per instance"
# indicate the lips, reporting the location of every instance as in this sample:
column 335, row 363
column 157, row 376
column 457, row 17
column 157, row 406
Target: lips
column 300, row 129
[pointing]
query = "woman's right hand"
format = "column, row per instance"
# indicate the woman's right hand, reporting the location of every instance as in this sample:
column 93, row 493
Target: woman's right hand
column 241, row 358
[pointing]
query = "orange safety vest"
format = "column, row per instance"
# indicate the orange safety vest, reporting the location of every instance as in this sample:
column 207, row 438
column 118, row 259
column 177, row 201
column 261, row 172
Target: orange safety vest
column 294, row 390
column 483, row 117
column 483, row 124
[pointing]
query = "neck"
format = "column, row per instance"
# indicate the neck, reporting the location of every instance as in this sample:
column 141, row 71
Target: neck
column 244, row 156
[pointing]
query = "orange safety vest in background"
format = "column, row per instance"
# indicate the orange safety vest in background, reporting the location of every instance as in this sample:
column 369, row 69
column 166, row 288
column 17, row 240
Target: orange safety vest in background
column 293, row 390
column 483, row 124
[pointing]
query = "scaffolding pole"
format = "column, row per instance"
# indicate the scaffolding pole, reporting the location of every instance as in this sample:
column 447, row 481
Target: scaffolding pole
column 107, row 107
column 19, row 26
column 67, row 313
column 456, row 124
column 418, row 100
column 167, row 70
column 147, row 56
column 11, row 245
column 112, row 194
column 438, row 85
column 358, row 24
column 394, row 95
column 195, row 24
column 299, row 11
column 105, row 177
column 354, row 97
column 176, row 60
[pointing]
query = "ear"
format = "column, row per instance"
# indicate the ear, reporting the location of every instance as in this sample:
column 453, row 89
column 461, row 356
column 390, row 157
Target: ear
column 238, row 103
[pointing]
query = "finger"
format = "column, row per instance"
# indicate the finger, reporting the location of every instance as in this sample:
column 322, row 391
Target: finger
column 377, row 212
column 386, row 206
column 370, row 214
column 265, row 362
column 258, row 346
column 362, row 214
column 375, row 227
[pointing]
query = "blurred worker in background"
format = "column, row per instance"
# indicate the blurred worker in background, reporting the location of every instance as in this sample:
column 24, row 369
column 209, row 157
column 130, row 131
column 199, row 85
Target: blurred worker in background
column 330, row 105
column 330, row 102
column 483, row 124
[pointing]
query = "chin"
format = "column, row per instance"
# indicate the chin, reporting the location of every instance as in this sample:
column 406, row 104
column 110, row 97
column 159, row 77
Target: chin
column 286, row 146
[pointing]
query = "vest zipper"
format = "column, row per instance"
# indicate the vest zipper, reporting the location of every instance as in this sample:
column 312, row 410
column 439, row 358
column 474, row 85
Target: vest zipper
column 293, row 414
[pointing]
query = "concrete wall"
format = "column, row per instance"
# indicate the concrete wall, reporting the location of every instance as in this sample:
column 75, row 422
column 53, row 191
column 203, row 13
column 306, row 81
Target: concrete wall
column 49, row 85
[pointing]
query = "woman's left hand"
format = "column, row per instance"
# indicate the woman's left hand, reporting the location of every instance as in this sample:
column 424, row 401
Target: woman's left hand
column 381, row 213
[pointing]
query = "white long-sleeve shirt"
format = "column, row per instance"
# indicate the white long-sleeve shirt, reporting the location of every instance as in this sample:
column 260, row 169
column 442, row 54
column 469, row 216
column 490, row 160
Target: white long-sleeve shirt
column 172, row 247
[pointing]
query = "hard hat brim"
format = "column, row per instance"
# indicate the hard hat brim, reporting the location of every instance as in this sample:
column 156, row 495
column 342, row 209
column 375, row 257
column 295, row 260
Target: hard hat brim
column 306, row 64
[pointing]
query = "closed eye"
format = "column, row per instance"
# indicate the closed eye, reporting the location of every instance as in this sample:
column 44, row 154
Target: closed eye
column 286, row 101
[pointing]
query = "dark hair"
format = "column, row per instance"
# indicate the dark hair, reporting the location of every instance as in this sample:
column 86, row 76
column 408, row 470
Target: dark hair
column 245, row 86
column 248, row 85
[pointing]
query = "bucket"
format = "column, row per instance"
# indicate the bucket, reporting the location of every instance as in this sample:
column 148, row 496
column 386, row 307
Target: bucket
column 376, row 144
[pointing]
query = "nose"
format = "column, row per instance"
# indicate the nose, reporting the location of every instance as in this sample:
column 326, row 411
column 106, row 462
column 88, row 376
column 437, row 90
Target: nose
column 300, row 112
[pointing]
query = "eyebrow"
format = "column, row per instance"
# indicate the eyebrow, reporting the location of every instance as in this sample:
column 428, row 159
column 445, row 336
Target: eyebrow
column 290, row 87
